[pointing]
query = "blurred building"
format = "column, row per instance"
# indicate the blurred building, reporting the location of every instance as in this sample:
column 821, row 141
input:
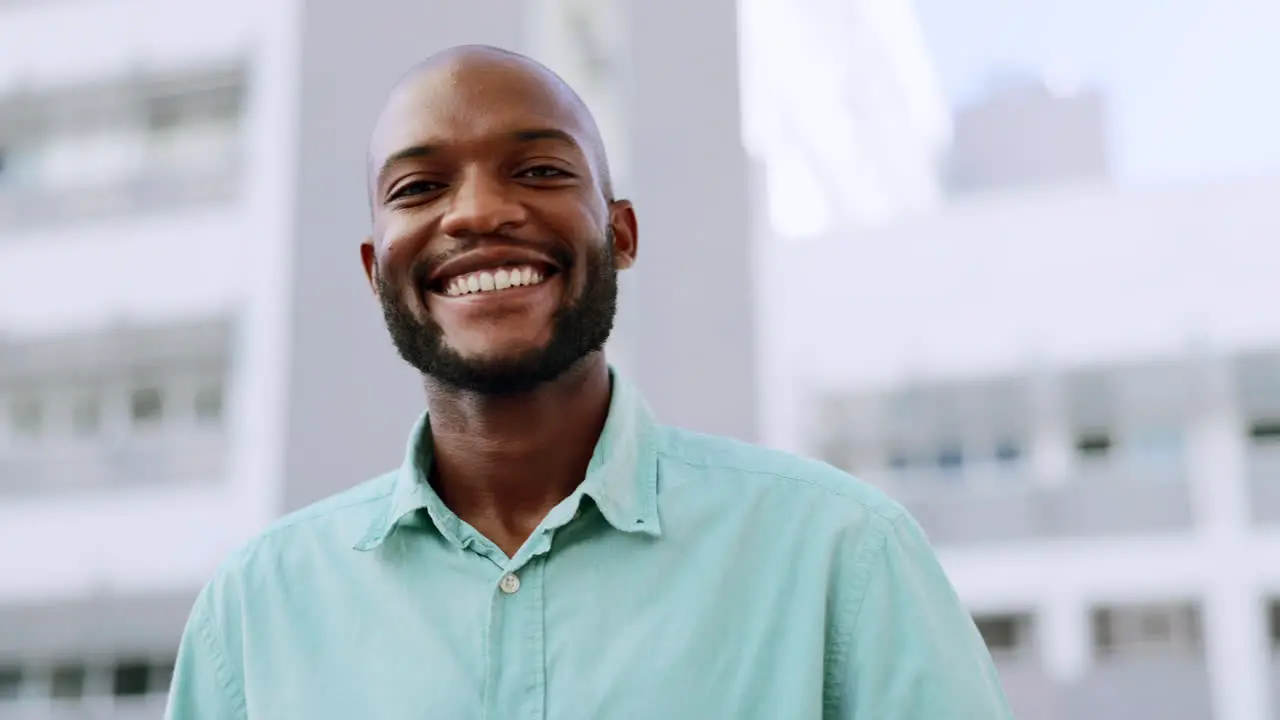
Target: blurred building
column 187, row 344
column 843, row 110
column 1028, row 132
column 1076, row 390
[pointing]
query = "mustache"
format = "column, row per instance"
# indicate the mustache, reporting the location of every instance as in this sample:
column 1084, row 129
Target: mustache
column 559, row 253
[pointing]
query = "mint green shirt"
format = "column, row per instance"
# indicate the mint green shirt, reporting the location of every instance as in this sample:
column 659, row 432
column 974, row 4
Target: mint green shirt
column 688, row 577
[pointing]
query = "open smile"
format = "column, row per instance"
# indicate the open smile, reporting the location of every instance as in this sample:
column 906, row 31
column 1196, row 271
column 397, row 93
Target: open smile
column 494, row 272
column 498, row 279
column 500, row 288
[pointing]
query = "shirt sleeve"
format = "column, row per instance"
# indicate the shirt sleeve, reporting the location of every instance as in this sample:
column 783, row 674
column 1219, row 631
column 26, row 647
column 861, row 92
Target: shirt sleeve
column 914, row 651
column 206, row 683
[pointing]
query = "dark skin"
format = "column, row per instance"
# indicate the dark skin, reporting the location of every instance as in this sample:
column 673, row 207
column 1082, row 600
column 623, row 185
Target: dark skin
column 483, row 150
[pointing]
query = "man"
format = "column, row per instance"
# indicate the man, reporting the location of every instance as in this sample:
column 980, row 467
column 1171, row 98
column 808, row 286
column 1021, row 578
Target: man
column 546, row 550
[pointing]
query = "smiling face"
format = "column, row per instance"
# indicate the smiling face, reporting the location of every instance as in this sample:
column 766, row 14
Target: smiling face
column 495, row 246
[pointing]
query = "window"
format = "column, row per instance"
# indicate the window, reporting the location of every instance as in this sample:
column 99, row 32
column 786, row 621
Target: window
column 1008, row 451
column 1004, row 634
column 133, row 143
column 1167, row 630
column 147, row 406
column 161, row 676
column 131, row 679
column 67, row 682
column 86, row 415
column 27, row 417
column 899, row 462
column 10, row 682
column 208, row 404
column 1273, row 622
column 167, row 113
column 219, row 102
column 18, row 165
column 1093, row 445
column 951, row 458
column 1156, row 626
column 1265, row 432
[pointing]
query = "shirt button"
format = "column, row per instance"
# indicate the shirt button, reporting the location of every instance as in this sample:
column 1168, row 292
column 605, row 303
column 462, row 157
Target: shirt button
column 509, row 583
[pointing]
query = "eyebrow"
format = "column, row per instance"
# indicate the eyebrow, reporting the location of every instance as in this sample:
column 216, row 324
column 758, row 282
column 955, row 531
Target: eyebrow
column 414, row 152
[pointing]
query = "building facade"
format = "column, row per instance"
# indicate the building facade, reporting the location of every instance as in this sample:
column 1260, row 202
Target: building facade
column 1027, row 132
column 188, row 348
column 1076, row 391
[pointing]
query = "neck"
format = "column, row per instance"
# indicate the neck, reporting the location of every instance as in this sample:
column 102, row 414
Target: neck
column 501, row 463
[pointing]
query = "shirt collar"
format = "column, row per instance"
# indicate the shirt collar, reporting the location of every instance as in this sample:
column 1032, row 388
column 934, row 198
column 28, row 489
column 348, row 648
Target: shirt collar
column 622, row 477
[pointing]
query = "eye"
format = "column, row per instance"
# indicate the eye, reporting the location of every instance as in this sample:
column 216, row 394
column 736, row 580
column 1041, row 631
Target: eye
column 544, row 172
column 414, row 188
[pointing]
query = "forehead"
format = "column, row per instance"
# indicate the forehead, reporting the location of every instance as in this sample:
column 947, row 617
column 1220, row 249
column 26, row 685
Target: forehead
column 463, row 102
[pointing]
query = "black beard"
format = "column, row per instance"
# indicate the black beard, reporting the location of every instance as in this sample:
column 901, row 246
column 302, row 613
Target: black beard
column 579, row 328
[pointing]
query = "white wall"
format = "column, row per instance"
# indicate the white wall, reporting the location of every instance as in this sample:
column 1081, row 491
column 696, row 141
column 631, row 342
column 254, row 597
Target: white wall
column 1069, row 275
column 118, row 37
column 139, row 269
column 133, row 542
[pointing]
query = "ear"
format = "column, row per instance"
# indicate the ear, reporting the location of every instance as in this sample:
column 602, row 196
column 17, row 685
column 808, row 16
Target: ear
column 622, row 218
column 370, row 260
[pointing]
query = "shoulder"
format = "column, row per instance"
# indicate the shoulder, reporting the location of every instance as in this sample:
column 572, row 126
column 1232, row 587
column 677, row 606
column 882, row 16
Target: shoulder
column 739, row 469
column 296, row 538
column 784, row 507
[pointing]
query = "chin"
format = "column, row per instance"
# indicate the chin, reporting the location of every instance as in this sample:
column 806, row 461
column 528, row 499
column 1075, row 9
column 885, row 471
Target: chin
column 492, row 345
column 498, row 354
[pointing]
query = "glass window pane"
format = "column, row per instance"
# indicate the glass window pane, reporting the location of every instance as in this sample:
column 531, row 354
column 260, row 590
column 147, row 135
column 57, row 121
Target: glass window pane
column 208, row 404
column 147, row 406
column 10, row 682
column 1265, row 432
column 67, row 682
column 950, row 458
column 161, row 676
column 1095, row 444
column 132, row 679
column 1275, row 623
column 1008, row 452
column 999, row 632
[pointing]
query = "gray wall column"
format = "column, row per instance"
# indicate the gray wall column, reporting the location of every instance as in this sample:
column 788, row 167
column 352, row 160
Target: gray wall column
column 690, row 320
column 351, row 400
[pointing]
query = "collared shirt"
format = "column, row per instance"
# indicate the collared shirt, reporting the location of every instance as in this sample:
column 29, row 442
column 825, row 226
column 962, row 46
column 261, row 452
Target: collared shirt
column 688, row 577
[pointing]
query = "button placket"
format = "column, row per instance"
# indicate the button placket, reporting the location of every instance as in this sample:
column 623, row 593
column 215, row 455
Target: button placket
column 509, row 584
column 516, row 677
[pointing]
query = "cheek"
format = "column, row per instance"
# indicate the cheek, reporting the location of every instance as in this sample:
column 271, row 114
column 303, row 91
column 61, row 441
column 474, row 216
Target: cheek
column 398, row 254
column 396, row 287
column 404, row 233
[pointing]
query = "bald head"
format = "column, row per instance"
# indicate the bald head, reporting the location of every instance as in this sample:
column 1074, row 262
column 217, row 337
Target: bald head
column 484, row 84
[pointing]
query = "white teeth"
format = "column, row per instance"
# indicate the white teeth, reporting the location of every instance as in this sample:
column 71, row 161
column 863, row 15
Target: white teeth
column 493, row 280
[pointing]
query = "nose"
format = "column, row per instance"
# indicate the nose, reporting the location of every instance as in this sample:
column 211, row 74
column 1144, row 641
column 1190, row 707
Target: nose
column 481, row 205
